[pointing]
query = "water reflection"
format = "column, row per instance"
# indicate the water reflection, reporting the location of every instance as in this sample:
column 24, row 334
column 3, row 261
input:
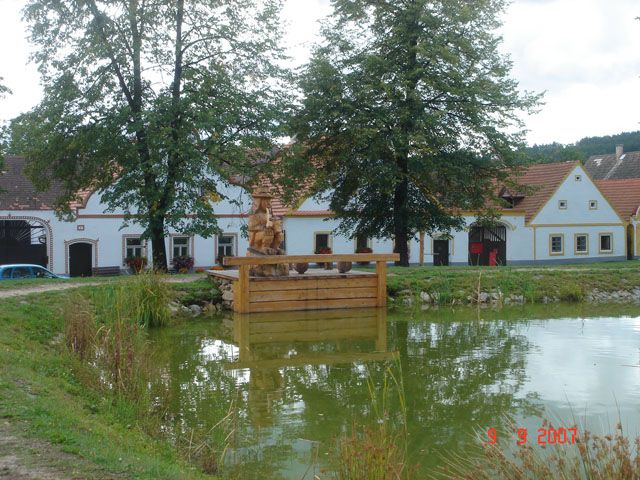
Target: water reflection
column 269, row 343
column 300, row 379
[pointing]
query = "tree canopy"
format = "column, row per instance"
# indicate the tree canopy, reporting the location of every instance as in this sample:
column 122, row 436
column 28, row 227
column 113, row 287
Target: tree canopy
column 149, row 101
column 409, row 108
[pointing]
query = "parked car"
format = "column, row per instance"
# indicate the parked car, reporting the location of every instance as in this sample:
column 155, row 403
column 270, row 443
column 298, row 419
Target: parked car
column 17, row 271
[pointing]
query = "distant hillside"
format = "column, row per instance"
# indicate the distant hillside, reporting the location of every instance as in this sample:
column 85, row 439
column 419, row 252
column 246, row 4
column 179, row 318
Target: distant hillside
column 583, row 149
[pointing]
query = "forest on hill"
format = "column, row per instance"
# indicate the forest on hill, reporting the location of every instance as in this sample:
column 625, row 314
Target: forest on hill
column 583, row 149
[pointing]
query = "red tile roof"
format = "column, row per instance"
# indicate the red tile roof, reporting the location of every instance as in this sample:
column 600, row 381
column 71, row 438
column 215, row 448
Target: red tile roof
column 624, row 195
column 18, row 193
column 544, row 180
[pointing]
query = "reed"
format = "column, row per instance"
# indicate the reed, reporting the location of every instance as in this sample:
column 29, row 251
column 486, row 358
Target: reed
column 378, row 450
column 591, row 457
column 79, row 326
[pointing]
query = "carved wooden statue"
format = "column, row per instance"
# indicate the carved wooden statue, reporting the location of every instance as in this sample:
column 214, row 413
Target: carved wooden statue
column 265, row 235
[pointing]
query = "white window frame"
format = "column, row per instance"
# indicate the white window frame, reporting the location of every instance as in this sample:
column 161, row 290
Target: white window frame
column 605, row 234
column 551, row 237
column 593, row 204
column 187, row 245
column 355, row 243
column 329, row 240
column 575, row 244
column 125, row 247
column 234, row 244
column 561, row 207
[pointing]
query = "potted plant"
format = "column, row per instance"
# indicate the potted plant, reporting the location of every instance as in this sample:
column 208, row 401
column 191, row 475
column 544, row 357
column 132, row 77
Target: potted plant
column 325, row 251
column 183, row 263
column 136, row 264
column 364, row 250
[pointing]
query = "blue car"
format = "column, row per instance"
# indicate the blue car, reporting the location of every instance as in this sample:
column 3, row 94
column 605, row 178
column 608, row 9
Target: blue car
column 23, row 270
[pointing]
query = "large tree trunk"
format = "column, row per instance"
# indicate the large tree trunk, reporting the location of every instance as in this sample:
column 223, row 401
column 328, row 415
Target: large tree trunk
column 401, row 229
column 158, row 247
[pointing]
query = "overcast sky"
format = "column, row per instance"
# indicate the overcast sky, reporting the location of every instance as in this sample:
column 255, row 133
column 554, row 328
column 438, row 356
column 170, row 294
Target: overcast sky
column 584, row 53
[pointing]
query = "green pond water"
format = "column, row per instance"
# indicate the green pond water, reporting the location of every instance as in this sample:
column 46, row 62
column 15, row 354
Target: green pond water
column 292, row 382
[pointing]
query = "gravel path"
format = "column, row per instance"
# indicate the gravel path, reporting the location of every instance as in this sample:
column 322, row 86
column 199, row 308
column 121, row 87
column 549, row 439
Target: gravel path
column 40, row 288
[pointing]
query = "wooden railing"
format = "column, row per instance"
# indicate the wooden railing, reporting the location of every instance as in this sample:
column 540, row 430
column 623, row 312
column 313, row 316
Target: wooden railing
column 242, row 291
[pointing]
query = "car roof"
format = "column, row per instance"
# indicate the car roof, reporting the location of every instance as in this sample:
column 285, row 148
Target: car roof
column 21, row 265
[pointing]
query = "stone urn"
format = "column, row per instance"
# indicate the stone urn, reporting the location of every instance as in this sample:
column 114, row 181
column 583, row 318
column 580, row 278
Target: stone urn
column 301, row 267
column 344, row 267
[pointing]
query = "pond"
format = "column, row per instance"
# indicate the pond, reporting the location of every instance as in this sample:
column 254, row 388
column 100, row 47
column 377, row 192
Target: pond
column 288, row 384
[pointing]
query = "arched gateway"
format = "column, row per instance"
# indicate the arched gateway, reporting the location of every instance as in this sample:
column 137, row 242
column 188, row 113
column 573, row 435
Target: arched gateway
column 23, row 241
column 488, row 245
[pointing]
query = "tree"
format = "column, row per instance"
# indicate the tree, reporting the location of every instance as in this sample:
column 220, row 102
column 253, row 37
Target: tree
column 149, row 101
column 409, row 108
column 3, row 134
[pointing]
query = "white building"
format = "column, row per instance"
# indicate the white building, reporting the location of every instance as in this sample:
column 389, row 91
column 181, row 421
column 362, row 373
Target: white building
column 567, row 219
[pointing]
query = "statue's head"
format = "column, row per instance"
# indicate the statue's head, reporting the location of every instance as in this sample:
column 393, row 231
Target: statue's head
column 261, row 200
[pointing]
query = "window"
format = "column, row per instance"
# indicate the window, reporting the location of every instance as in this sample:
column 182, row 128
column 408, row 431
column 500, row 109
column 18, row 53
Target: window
column 40, row 272
column 226, row 245
column 362, row 244
column 562, row 204
column 582, row 244
column 6, row 273
column 180, row 247
column 322, row 241
column 606, row 243
column 593, row 204
column 21, row 272
column 578, row 178
column 134, row 247
column 556, row 244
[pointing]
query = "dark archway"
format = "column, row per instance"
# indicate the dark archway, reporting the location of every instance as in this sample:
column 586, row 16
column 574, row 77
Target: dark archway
column 22, row 241
column 488, row 245
column 80, row 259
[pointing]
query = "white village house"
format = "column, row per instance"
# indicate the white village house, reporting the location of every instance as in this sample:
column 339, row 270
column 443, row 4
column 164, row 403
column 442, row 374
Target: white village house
column 568, row 218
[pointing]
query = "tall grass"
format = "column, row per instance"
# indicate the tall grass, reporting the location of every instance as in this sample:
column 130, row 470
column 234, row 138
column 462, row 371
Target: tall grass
column 79, row 326
column 148, row 296
column 377, row 451
column 591, row 457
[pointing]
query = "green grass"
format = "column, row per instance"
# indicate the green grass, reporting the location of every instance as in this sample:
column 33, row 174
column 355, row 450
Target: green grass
column 568, row 283
column 43, row 395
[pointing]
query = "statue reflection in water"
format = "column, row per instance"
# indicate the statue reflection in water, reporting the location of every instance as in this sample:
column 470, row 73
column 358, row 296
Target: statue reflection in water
column 268, row 343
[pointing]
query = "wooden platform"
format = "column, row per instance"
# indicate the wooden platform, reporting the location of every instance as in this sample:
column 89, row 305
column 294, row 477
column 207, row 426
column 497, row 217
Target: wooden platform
column 316, row 289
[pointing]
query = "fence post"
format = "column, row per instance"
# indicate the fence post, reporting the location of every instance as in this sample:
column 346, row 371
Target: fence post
column 381, row 272
column 243, row 289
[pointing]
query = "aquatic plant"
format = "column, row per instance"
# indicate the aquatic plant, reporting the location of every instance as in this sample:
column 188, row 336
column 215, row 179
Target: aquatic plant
column 589, row 457
column 377, row 451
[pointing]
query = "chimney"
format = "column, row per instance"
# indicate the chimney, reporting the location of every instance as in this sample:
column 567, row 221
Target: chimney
column 619, row 151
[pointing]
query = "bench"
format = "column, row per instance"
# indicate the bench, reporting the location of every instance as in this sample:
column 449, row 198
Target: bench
column 105, row 271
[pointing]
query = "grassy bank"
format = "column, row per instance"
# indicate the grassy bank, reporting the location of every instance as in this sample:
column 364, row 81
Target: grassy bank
column 574, row 283
column 44, row 395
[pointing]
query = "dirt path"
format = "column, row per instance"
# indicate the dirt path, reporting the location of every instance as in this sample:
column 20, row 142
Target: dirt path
column 40, row 288
column 27, row 458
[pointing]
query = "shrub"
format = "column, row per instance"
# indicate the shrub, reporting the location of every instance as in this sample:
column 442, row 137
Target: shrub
column 148, row 296
column 183, row 263
column 324, row 251
column 571, row 292
column 137, row 264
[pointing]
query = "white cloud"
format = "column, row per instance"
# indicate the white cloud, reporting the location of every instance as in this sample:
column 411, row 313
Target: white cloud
column 584, row 53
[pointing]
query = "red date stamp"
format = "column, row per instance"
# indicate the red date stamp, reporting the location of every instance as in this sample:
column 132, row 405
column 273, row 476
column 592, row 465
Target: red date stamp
column 546, row 436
